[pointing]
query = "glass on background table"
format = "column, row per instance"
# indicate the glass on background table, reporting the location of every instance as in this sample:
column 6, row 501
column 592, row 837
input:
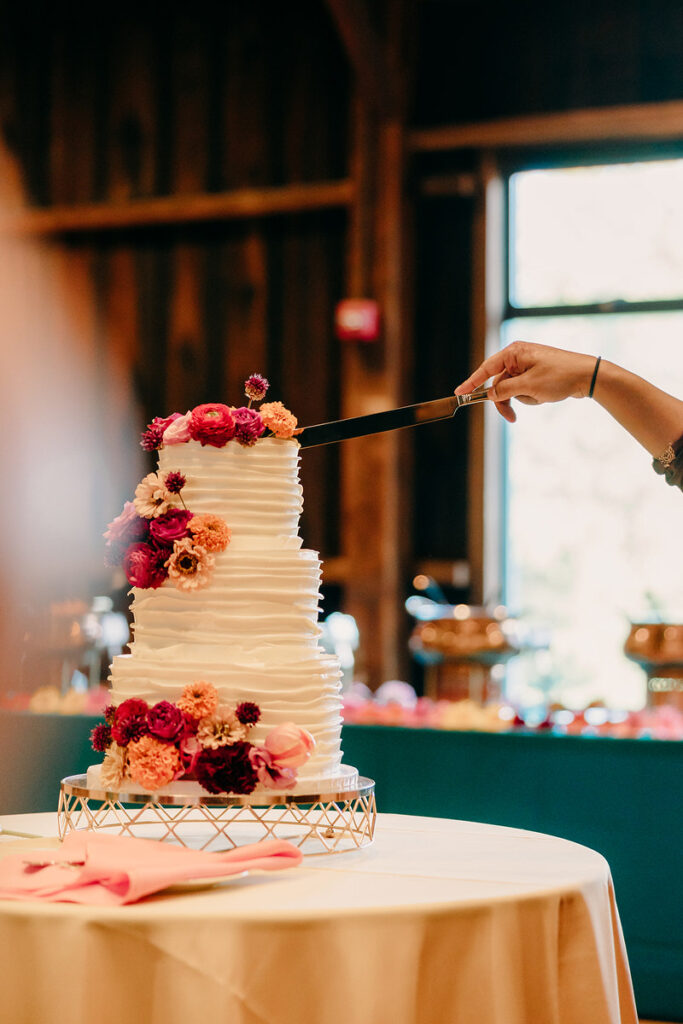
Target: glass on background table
column 438, row 920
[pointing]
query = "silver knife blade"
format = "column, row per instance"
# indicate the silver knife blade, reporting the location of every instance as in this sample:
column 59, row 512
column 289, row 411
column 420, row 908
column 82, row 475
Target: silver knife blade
column 390, row 419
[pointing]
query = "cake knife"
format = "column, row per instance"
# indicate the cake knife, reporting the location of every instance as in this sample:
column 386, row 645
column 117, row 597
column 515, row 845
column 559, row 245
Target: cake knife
column 390, row 419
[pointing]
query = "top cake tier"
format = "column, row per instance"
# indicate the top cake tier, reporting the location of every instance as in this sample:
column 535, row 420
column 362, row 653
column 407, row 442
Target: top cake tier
column 256, row 490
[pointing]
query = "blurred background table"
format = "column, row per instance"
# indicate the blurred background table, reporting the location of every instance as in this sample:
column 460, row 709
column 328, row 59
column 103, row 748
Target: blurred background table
column 438, row 920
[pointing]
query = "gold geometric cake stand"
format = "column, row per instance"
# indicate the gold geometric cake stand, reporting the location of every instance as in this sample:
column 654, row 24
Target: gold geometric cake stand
column 331, row 822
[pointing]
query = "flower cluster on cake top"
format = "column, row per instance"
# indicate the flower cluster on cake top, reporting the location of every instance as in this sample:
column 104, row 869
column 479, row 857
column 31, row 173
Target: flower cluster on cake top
column 216, row 424
column 197, row 739
column 156, row 537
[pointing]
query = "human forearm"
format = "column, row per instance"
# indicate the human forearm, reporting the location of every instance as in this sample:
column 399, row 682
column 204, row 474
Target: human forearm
column 653, row 417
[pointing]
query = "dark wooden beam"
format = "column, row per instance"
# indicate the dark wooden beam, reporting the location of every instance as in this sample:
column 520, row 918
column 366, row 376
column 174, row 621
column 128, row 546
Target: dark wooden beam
column 365, row 50
column 639, row 121
column 178, row 209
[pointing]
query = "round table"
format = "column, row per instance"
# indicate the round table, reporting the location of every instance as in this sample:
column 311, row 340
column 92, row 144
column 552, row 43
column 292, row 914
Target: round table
column 437, row 921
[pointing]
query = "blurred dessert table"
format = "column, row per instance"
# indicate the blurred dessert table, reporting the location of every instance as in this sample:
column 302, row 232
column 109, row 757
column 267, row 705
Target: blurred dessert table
column 439, row 920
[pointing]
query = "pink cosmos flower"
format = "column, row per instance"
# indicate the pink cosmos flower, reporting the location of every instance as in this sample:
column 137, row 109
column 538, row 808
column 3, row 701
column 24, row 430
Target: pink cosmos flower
column 249, row 426
column 269, row 773
column 169, row 527
column 190, row 566
column 144, row 566
column 152, row 763
column 288, row 745
column 152, row 497
column 211, row 532
column 213, row 424
column 179, row 430
column 198, row 699
column 279, row 420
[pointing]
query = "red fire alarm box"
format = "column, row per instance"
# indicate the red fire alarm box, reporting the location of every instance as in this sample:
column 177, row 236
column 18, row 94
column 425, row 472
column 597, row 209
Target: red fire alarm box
column 357, row 320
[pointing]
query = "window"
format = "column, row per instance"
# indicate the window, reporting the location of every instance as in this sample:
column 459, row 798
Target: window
column 591, row 535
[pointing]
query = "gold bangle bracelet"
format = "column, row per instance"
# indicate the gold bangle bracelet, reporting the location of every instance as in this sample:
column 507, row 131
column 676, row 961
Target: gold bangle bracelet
column 667, row 456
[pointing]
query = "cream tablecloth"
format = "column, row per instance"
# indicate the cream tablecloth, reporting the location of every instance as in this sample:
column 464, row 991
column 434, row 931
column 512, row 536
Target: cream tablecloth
column 438, row 921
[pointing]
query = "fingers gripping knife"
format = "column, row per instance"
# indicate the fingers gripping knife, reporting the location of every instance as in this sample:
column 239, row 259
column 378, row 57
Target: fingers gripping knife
column 391, row 419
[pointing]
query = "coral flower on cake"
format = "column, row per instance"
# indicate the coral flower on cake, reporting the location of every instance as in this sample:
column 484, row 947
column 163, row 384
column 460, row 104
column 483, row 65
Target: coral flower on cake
column 279, row 419
column 212, row 424
column 152, row 763
column 190, row 565
column 289, row 745
column 198, row 699
column 113, row 770
column 152, row 497
column 249, row 426
column 211, row 532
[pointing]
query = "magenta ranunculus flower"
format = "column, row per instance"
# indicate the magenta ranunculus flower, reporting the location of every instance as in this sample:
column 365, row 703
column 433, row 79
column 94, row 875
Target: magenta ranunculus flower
column 269, row 773
column 169, row 527
column 144, row 566
column 165, row 721
column 213, row 424
column 249, row 426
column 255, row 387
column 130, row 721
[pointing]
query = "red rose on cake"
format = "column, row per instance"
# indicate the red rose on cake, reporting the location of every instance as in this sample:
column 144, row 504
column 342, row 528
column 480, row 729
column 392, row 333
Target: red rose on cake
column 144, row 566
column 212, row 424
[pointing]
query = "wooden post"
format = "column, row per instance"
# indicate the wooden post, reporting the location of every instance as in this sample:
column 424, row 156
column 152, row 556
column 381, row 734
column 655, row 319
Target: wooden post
column 376, row 472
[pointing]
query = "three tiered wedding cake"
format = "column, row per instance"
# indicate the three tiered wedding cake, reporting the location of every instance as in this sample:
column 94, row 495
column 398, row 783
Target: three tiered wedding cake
column 226, row 686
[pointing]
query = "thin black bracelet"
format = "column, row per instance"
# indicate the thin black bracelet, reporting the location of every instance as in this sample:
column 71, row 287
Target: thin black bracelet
column 594, row 378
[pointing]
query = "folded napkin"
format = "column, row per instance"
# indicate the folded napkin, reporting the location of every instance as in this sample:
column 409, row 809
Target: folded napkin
column 101, row 869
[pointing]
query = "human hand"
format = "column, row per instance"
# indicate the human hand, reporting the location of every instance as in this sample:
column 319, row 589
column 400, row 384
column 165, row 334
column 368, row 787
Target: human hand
column 533, row 374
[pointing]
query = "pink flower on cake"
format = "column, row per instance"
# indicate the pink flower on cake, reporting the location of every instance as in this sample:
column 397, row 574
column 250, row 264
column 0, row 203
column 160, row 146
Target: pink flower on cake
column 152, row 437
column 190, row 748
column 213, row 424
column 144, row 566
column 198, row 699
column 221, row 729
column 190, row 565
column 279, row 420
column 269, row 773
column 165, row 721
column 255, row 387
column 226, row 769
column 126, row 529
column 211, row 532
column 178, row 432
column 152, row 498
column 170, row 527
column 113, row 770
column 288, row 745
column 152, row 763
column 249, row 426
column 130, row 721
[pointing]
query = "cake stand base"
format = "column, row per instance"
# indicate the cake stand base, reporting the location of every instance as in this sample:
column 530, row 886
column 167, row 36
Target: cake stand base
column 316, row 822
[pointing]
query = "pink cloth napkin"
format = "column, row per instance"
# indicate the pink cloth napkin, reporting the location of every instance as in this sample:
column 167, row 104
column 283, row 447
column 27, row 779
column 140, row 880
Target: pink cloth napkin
column 113, row 870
